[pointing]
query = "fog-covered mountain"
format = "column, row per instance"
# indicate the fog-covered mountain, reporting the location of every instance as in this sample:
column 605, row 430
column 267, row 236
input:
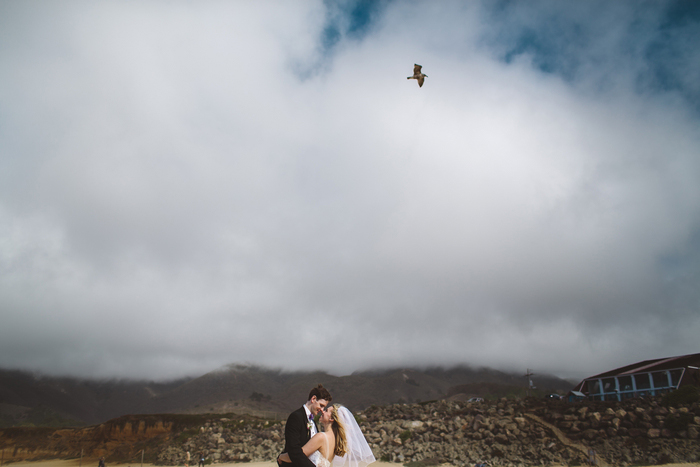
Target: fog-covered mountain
column 27, row 398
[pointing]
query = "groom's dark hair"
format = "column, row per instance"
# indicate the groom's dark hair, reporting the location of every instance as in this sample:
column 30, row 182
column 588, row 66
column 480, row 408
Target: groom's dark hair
column 321, row 393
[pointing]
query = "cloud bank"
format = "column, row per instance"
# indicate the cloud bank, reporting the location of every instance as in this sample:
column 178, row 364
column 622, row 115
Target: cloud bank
column 185, row 185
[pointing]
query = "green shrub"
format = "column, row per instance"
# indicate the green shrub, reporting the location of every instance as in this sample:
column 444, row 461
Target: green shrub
column 404, row 436
column 679, row 422
column 260, row 397
column 185, row 435
column 432, row 461
column 684, row 395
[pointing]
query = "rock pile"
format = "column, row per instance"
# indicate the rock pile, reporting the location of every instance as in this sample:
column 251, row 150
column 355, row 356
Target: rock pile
column 225, row 440
column 508, row 433
column 639, row 431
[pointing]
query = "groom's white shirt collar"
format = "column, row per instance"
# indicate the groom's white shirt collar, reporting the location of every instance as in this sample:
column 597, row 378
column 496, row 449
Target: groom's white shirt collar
column 308, row 412
column 312, row 428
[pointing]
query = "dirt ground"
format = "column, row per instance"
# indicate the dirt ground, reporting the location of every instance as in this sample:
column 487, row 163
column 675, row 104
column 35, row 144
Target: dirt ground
column 77, row 463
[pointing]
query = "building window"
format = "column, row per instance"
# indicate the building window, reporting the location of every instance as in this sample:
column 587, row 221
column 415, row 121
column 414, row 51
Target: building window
column 660, row 379
column 625, row 383
column 676, row 377
column 584, row 388
column 609, row 385
column 642, row 381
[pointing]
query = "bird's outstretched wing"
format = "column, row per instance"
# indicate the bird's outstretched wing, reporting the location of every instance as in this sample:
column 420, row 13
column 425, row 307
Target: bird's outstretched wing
column 416, row 69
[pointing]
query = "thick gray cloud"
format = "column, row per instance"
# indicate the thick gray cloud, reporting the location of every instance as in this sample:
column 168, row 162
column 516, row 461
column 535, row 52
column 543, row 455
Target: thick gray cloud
column 185, row 185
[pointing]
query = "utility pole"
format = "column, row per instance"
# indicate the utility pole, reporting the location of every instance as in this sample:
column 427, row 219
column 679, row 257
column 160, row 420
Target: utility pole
column 142, row 457
column 529, row 381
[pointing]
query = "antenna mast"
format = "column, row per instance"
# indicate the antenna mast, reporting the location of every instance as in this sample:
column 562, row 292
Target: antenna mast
column 529, row 381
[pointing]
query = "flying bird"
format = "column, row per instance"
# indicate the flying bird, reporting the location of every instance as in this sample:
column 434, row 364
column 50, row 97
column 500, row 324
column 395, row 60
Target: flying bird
column 418, row 75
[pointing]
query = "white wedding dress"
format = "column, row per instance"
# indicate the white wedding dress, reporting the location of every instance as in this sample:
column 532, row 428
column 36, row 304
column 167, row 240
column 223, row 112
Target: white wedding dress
column 359, row 453
column 319, row 460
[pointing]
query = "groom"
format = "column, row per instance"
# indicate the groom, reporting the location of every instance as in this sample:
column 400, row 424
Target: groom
column 301, row 427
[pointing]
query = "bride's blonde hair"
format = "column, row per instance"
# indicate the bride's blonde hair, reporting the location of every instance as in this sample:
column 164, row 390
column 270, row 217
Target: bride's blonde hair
column 341, row 441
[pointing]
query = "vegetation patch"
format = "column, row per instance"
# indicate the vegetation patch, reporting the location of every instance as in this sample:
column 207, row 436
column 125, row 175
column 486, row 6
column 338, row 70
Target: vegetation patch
column 684, row 395
column 259, row 397
column 185, row 435
column 679, row 421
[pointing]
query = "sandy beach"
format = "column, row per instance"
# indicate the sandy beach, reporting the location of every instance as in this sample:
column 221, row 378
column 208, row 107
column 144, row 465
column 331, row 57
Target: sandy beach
column 76, row 463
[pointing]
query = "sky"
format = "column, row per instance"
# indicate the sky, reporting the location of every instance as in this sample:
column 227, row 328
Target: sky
column 185, row 185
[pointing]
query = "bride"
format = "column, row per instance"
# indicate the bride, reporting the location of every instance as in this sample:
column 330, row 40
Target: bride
column 341, row 441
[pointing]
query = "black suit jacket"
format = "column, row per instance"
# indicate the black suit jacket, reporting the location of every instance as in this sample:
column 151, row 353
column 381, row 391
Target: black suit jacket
column 296, row 434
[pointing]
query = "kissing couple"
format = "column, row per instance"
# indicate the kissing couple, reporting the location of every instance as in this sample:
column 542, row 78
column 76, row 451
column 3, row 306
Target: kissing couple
column 340, row 444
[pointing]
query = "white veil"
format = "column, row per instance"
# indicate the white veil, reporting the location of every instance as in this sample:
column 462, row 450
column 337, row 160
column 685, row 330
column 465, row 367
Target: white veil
column 359, row 453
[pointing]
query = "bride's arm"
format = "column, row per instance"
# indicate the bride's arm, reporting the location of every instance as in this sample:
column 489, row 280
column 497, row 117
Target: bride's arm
column 309, row 448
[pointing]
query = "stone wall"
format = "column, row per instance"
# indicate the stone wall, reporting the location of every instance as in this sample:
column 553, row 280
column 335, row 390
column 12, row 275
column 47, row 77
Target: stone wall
column 509, row 433
column 226, row 440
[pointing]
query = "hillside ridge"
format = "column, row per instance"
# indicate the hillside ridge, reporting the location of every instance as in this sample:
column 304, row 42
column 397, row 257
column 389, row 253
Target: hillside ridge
column 34, row 400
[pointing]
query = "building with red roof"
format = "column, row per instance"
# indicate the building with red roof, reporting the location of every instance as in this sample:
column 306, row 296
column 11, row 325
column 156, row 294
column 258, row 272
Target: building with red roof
column 647, row 378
